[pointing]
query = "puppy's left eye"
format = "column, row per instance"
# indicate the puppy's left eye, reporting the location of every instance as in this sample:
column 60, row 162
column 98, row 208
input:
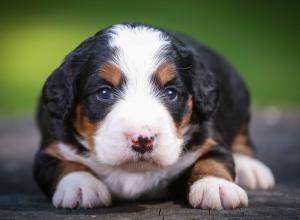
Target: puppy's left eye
column 171, row 94
column 105, row 93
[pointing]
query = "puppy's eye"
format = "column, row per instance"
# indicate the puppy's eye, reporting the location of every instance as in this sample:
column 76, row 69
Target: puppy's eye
column 105, row 93
column 170, row 94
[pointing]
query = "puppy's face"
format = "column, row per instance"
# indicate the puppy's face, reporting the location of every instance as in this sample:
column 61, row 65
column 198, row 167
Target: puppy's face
column 133, row 106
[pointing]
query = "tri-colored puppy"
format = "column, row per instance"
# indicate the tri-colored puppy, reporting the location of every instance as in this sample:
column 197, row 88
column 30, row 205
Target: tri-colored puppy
column 137, row 112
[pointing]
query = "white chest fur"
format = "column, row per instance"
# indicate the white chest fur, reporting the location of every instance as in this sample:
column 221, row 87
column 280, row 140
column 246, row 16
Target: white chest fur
column 131, row 185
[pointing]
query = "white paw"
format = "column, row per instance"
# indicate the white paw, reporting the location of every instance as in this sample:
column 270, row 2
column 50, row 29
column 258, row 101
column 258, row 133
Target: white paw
column 251, row 173
column 81, row 189
column 217, row 193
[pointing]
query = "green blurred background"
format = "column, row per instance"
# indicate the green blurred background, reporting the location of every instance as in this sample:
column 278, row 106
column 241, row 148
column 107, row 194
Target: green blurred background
column 261, row 38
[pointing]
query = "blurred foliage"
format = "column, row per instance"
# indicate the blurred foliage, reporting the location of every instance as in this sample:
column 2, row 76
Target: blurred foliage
column 261, row 38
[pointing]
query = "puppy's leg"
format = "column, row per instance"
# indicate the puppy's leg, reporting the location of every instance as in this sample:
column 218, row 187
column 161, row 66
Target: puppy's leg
column 251, row 173
column 70, row 184
column 211, row 182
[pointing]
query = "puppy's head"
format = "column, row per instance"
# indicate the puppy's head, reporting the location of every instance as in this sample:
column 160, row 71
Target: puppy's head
column 129, row 93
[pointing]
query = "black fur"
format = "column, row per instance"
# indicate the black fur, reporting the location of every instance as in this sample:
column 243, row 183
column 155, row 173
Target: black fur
column 46, row 170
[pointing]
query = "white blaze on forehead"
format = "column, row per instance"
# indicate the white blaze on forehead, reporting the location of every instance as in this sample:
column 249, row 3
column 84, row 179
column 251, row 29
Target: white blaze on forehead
column 138, row 50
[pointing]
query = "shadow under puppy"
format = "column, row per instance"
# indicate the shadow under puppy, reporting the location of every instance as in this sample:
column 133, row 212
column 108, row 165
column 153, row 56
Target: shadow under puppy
column 136, row 110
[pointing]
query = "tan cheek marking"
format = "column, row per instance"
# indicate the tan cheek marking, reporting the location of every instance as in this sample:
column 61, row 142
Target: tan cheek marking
column 241, row 143
column 111, row 73
column 209, row 167
column 165, row 73
column 186, row 119
column 85, row 128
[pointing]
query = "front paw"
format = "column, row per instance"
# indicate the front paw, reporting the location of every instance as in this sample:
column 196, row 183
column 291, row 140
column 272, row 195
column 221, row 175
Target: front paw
column 251, row 173
column 81, row 189
column 216, row 193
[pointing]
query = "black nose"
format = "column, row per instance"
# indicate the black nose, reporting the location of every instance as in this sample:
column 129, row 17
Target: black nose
column 142, row 144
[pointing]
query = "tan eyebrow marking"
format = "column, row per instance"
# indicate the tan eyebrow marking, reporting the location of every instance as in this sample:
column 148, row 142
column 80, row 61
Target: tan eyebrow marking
column 111, row 73
column 165, row 73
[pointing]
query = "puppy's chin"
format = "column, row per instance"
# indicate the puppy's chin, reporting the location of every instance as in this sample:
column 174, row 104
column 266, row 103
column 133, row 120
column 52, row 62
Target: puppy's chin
column 140, row 166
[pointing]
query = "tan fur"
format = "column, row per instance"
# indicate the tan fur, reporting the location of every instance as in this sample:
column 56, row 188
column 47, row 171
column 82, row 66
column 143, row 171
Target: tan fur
column 67, row 167
column 165, row 73
column 209, row 167
column 84, row 127
column 53, row 151
column 111, row 73
column 208, row 145
column 241, row 143
column 186, row 119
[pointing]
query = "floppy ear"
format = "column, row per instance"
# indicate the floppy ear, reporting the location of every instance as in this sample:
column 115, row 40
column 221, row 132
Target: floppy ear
column 204, row 89
column 201, row 82
column 58, row 98
column 58, row 92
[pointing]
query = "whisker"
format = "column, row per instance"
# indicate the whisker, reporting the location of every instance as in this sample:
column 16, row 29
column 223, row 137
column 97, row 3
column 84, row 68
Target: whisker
column 185, row 68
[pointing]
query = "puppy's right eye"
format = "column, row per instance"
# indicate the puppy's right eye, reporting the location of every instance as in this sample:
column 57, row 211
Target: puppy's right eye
column 105, row 94
column 171, row 94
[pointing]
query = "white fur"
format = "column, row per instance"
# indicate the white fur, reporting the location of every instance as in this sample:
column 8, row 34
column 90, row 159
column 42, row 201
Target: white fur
column 139, row 109
column 252, row 173
column 81, row 189
column 138, row 51
column 137, row 115
column 131, row 185
column 216, row 193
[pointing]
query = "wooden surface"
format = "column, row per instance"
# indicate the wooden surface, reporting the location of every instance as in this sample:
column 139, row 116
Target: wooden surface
column 279, row 203
column 277, row 140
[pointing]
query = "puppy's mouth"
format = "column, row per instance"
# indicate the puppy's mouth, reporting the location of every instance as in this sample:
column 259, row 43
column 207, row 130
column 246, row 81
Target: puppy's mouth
column 140, row 163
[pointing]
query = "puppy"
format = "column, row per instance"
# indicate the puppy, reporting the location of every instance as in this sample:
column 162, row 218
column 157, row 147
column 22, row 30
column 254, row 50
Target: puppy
column 136, row 112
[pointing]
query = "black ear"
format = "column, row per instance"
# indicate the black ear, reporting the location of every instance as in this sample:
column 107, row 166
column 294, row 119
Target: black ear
column 59, row 91
column 204, row 89
column 58, row 99
column 58, row 94
column 200, row 80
